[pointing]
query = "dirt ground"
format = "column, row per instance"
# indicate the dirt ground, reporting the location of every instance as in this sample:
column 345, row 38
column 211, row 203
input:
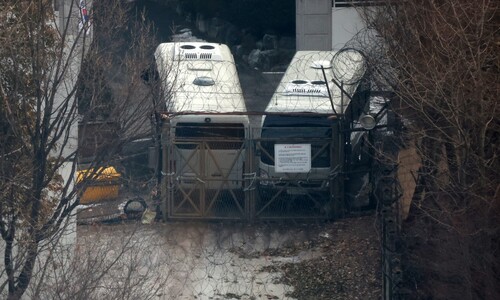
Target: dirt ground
column 348, row 267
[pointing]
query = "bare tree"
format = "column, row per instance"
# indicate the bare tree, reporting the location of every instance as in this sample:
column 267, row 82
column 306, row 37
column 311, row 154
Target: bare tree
column 441, row 60
column 40, row 63
column 115, row 262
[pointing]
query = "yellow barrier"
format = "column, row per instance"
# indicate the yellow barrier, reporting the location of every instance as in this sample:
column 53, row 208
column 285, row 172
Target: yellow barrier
column 103, row 185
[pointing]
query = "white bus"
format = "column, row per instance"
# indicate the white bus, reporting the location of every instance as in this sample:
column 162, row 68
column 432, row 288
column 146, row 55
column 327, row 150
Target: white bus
column 202, row 93
column 297, row 128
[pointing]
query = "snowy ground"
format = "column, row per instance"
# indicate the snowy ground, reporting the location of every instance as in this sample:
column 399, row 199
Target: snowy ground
column 240, row 261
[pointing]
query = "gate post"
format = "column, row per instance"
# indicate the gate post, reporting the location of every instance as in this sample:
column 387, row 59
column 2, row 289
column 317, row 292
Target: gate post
column 166, row 177
column 337, row 169
column 249, row 176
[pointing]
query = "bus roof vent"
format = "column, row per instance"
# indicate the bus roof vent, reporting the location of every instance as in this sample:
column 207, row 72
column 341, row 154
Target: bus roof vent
column 306, row 88
column 190, row 55
column 199, row 52
column 206, row 56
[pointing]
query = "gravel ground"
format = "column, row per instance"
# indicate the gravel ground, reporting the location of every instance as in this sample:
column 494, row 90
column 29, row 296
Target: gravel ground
column 348, row 266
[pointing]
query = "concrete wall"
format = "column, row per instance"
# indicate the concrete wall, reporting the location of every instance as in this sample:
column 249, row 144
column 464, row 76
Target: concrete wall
column 320, row 26
column 68, row 11
column 313, row 24
column 346, row 22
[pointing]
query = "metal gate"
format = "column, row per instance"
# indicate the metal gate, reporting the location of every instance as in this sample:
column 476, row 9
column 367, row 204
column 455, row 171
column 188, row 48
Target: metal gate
column 203, row 178
column 294, row 194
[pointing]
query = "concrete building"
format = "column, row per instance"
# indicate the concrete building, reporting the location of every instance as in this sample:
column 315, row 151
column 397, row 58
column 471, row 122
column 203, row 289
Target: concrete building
column 326, row 24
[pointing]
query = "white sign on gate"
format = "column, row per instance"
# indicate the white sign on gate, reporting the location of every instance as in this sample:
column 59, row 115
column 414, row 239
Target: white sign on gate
column 292, row 158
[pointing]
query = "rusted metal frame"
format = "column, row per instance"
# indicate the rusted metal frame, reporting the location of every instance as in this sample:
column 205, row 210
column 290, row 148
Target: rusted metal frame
column 190, row 157
column 224, row 180
column 167, row 186
column 242, row 209
column 281, row 190
column 273, row 198
column 320, row 150
column 211, row 203
column 203, row 171
column 250, row 195
column 187, row 196
column 264, row 150
column 213, row 200
column 308, row 194
column 336, row 161
column 289, row 179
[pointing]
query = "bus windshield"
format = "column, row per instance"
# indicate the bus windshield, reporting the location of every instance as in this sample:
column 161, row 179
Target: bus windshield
column 217, row 135
column 296, row 130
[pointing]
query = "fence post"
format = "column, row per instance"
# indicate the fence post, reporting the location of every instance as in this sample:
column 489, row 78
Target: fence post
column 249, row 185
column 336, row 169
column 166, row 188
